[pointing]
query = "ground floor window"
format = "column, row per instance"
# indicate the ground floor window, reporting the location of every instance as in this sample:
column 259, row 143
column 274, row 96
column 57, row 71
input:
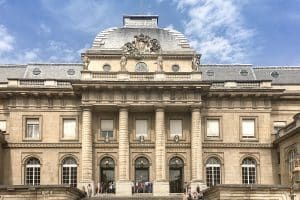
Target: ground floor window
column 32, row 171
column 249, row 171
column 213, row 172
column 69, row 171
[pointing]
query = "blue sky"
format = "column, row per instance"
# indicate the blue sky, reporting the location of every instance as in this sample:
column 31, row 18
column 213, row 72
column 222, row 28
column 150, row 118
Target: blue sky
column 259, row 32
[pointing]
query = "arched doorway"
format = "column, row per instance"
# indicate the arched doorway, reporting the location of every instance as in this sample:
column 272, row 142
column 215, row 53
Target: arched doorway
column 142, row 183
column 107, row 175
column 176, row 167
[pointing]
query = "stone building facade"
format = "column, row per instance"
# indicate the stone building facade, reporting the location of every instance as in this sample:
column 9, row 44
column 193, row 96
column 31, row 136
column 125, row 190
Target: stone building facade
column 141, row 114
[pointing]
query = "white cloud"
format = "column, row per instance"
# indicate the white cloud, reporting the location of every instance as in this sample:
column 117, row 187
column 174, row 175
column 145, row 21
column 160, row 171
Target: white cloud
column 216, row 29
column 6, row 40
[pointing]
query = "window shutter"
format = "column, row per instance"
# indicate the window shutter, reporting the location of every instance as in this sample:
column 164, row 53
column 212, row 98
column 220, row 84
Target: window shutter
column 176, row 127
column 248, row 127
column 69, row 128
column 141, row 128
column 213, row 128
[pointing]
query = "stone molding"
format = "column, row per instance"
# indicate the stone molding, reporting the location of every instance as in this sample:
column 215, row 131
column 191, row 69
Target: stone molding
column 238, row 145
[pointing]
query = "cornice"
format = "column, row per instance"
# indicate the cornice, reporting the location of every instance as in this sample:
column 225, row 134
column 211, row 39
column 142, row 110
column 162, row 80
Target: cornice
column 42, row 145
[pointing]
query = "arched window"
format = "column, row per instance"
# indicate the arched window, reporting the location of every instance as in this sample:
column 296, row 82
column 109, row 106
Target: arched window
column 142, row 184
column 69, row 171
column 213, row 172
column 176, row 176
column 291, row 161
column 107, row 175
column 249, row 171
column 32, row 171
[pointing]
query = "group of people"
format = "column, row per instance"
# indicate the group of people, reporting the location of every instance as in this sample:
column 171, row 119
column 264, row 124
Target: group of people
column 188, row 195
column 142, row 187
column 100, row 188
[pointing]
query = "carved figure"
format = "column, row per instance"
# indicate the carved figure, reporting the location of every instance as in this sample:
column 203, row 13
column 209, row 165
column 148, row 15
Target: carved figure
column 123, row 63
column 159, row 63
column 86, row 62
column 196, row 62
column 141, row 44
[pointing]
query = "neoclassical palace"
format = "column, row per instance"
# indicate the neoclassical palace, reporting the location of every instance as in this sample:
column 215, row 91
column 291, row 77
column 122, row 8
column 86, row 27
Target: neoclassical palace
column 141, row 114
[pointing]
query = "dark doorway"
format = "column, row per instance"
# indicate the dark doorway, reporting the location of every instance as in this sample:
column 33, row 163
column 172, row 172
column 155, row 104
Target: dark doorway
column 176, row 167
column 142, row 183
column 107, row 175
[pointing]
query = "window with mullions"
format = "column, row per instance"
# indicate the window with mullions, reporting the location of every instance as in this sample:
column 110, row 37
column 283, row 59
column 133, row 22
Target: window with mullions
column 213, row 172
column 107, row 128
column 249, row 171
column 141, row 128
column 69, row 171
column 32, row 129
column 32, row 172
column 291, row 161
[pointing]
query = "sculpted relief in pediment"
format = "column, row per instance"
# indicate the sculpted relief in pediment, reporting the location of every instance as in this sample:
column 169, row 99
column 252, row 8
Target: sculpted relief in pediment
column 142, row 44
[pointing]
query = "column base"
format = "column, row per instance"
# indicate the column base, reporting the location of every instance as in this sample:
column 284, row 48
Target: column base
column 161, row 188
column 84, row 185
column 196, row 183
column 123, row 188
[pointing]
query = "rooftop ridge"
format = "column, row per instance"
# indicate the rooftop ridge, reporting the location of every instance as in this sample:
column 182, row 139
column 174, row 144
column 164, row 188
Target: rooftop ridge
column 226, row 65
column 277, row 67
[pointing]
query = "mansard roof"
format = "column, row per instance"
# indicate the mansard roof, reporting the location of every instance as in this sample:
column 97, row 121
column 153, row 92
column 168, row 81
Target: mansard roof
column 210, row 72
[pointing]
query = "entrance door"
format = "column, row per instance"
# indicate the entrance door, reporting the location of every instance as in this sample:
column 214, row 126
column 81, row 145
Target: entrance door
column 176, row 167
column 142, row 183
column 107, row 175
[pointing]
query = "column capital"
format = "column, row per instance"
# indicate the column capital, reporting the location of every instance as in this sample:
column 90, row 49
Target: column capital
column 159, row 107
column 123, row 107
column 196, row 107
column 87, row 107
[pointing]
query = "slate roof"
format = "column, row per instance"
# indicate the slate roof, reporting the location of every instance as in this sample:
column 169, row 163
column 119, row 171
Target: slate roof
column 214, row 73
column 286, row 75
column 115, row 38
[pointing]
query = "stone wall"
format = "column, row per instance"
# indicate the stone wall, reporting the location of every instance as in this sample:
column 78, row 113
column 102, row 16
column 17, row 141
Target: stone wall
column 47, row 192
column 249, row 192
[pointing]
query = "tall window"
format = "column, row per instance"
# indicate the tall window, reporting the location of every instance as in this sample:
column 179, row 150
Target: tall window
column 249, row 171
column 107, row 128
column 213, row 128
column 141, row 128
column 175, row 127
column 69, row 171
column 32, row 129
column 248, row 128
column 32, row 171
column 213, row 172
column 69, row 131
column 291, row 160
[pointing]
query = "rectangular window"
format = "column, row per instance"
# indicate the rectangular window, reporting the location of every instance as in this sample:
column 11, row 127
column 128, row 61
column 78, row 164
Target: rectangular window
column 69, row 131
column 107, row 128
column 141, row 128
column 32, row 129
column 3, row 125
column 213, row 128
column 175, row 127
column 248, row 128
column 278, row 125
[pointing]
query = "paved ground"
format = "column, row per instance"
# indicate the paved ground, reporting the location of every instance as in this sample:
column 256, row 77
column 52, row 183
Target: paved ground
column 136, row 197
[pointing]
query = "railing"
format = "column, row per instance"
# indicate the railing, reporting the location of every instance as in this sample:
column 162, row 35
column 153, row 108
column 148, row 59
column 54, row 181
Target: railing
column 290, row 127
column 63, row 84
column 248, row 84
column 218, row 84
column 103, row 76
column 141, row 77
column 31, row 82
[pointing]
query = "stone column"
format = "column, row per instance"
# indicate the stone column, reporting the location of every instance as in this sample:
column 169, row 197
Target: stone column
column 87, row 148
column 161, row 185
column 196, row 150
column 123, row 185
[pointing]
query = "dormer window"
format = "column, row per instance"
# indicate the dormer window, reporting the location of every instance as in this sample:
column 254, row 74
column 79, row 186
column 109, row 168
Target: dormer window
column 244, row 72
column 175, row 68
column 106, row 67
column 141, row 67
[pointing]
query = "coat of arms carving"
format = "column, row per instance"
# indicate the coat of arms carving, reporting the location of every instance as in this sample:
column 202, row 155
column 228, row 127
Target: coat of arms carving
column 142, row 44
